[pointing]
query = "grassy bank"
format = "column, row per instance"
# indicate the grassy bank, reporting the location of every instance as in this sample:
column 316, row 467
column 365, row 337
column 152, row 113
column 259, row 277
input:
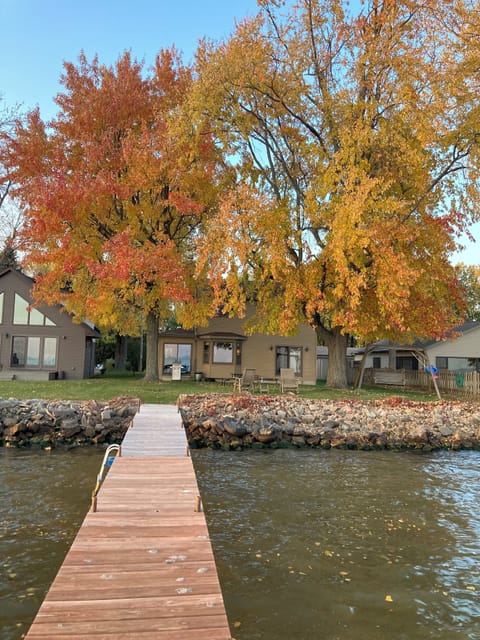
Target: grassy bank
column 104, row 388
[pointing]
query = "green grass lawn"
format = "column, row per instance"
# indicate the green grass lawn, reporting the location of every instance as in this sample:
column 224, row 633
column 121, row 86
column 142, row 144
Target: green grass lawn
column 109, row 386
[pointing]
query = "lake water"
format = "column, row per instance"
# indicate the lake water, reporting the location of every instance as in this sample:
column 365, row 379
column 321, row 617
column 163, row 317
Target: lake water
column 44, row 497
column 327, row 545
column 346, row 545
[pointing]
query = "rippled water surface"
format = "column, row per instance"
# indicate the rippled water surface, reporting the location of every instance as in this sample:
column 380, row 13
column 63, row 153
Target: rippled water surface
column 44, row 497
column 339, row 545
column 310, row 545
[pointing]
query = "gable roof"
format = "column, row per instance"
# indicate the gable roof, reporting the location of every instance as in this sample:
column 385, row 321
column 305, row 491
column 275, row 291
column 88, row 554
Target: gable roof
column 90, row 329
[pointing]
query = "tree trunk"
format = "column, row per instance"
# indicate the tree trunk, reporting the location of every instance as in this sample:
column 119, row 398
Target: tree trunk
column 140, row 357
column 120, row 352
column 337, row 359
column 151, row 365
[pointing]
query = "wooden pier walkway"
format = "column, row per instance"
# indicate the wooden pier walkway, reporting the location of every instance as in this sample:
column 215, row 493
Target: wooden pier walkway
column 141, row 567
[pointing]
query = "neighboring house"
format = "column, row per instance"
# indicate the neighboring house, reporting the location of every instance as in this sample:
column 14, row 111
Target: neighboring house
column 460, row 352
column 222, row 349
column 40, row 342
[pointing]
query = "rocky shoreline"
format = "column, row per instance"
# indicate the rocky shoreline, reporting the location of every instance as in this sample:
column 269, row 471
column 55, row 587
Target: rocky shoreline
column 239, row 421
column 50, row 424
column 245, row 421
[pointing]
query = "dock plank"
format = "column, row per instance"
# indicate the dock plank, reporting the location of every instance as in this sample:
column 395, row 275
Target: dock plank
column 141, row 566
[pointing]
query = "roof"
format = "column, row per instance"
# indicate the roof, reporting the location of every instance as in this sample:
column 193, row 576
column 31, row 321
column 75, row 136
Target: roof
column 385, row 345
column 178, row 332
column 222, row 335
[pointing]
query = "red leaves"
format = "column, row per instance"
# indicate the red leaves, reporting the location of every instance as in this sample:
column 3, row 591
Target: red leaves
column 115, row 188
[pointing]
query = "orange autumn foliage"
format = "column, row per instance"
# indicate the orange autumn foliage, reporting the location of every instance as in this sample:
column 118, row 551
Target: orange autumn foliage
column 354, row 137
column 115, row 187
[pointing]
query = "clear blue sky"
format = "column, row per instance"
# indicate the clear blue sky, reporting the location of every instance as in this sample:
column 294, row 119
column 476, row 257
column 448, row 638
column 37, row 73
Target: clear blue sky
column 39, row 35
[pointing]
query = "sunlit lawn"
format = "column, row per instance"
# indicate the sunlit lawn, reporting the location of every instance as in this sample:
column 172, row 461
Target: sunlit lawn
column 104, row 388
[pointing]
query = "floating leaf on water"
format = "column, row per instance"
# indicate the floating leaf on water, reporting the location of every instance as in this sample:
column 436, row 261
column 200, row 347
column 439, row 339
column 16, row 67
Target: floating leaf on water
column 237, row 624
column 344, row 573
column 388, row 598
column 470, row 587
column 328, row 553
column 258, row 555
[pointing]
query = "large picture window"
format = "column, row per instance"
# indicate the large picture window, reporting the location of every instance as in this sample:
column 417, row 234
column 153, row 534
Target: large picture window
column 33, row 351
column 176, row 352
column 458, row 364
column 289, row 358
column 223, row 352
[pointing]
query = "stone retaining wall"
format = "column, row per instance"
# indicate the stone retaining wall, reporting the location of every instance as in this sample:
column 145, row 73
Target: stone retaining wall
column 243, row 420
column 53, row 423
column 237, row 421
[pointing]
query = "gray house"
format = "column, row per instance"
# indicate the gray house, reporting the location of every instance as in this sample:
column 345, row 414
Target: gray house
column 459, row 351
column 40, row 342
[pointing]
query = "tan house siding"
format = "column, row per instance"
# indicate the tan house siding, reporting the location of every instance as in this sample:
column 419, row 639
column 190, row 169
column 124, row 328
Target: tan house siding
column 257, row 351
column 72, row 343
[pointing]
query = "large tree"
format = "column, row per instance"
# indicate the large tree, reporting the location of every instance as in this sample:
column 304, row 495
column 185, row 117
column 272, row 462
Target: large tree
column 355, row 138
column 115, row 188
column 11, row 216
column 469, row 281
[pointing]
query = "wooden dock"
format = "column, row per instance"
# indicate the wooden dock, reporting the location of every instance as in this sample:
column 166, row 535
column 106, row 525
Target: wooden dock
column 141, row 567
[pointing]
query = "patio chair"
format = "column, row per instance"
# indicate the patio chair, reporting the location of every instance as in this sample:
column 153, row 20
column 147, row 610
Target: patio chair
column 288, row 381
column 247, row 381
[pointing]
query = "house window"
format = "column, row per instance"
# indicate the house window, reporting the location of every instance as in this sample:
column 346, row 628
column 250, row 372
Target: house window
column 289, row 358
column 177, row 352
column 377, row 362
column 409, row 363
column 238, row 353
column 206, row 353
column 19, row 351
column 49, row 352
column 441, row 362
column 474, row 363
column 458, row 364
column 223, row 352
column 33, row 351
column 23, row 313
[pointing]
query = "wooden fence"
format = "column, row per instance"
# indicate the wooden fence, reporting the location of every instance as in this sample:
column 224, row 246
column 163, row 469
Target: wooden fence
column 464, row 383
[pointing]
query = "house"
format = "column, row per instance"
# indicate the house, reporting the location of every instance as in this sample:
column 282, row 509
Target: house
column 223, row 349
column 40, row 342
column 460, row 352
